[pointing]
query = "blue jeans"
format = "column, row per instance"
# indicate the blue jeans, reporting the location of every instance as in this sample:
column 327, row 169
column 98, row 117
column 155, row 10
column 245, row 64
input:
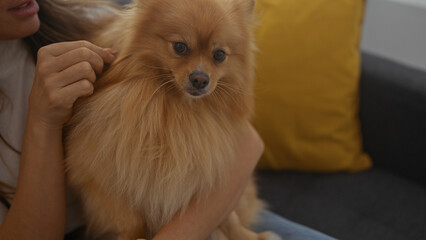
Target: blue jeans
column 288, row 230
column 268, row 221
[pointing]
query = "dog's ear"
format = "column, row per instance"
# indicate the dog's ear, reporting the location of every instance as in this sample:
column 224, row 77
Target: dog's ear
column 246, row 6
column 250, row 5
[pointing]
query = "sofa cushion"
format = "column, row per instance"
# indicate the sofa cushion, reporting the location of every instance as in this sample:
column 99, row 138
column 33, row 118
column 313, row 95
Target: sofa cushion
column 393, row 116
column 374, row 204
column 308, row 84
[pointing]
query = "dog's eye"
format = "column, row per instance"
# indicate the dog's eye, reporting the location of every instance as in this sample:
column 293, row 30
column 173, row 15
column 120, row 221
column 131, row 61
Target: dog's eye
column 180, row 48
column 219, row 56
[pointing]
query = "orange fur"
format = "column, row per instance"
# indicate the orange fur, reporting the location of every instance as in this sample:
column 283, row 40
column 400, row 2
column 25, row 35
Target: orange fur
column 140, row 148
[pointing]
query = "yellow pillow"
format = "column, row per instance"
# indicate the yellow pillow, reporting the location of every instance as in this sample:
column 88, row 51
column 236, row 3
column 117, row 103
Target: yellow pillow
column 307, row 85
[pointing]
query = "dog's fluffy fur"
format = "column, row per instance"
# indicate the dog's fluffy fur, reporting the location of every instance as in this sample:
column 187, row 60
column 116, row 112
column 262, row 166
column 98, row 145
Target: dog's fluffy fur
column 141, row 147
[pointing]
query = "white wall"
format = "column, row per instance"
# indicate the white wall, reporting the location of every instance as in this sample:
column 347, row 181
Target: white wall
column 396, row 29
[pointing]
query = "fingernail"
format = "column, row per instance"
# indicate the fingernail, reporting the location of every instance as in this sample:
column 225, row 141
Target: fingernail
column 111, row 51
column 112, row 57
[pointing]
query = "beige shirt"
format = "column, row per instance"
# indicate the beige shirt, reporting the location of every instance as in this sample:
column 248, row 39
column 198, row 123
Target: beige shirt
column 16, row 77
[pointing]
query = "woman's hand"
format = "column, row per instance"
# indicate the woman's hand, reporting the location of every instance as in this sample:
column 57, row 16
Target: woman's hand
column 64, row 72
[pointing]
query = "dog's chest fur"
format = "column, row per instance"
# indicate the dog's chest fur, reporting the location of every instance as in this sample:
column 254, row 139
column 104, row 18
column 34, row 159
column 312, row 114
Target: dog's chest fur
column 139, row 142
column 152, row 151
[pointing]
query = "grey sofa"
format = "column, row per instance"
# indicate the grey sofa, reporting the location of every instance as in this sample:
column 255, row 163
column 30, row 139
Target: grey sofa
column 387, row 202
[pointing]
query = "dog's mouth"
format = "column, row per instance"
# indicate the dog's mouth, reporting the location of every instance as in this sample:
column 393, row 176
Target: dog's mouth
column 196, row 93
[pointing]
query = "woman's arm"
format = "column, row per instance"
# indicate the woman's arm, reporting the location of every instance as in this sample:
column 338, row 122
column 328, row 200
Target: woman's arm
column 38, row 209
column 202, row 219
column 64, row 72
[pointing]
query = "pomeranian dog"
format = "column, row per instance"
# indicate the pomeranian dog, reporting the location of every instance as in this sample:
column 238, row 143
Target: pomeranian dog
column 162, row 125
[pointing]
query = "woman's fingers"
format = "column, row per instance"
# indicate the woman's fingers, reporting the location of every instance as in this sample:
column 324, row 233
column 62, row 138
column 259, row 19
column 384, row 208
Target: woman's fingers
column 76, row 90
column 59, row 56
column 64, row 72
column 58, row 49
column 78, row 71
column 78, row 55
column 74, row 56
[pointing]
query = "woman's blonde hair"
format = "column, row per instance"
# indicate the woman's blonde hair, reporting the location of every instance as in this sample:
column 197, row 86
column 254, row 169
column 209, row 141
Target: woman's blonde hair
column 60, row 21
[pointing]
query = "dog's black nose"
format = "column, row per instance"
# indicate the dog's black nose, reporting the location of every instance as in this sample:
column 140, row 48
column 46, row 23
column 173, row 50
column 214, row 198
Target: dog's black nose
column 199, row 80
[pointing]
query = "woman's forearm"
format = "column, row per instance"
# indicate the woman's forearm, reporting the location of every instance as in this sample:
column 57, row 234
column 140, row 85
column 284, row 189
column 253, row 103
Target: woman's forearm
column 201, row 219
column 38, row 208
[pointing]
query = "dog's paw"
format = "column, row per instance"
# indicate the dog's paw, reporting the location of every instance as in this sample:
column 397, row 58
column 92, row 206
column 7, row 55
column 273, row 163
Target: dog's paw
column 269, row 236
